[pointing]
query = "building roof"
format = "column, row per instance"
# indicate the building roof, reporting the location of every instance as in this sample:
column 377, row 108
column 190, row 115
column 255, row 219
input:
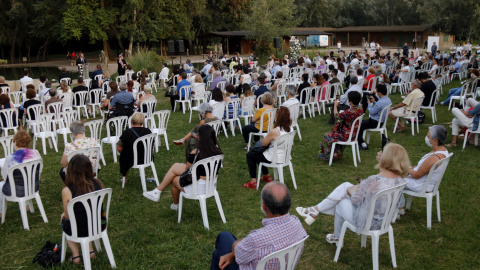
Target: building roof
column 295, row 32
column 382, row 28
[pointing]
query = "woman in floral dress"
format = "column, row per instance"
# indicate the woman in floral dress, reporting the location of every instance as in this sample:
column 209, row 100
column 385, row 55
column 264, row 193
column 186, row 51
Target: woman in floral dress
column 341, row 130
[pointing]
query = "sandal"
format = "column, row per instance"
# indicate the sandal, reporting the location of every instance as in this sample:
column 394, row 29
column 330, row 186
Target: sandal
column 178, row 142
column 92, row 255
column 250, row 184
column 450, row 145
column 307, row 214
column 72, row 259
column 331, row 239
column 267, row 179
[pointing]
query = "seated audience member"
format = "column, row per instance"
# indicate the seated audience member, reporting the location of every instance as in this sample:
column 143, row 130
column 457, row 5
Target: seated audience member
column 164, row 73
column 183, row 82
column 341, row 130
column 279, row 81
column 31, row 95
column 122, row 102
column 25, row 78
column 375, row 109
column 302, row 96
column 230, row 94
column 5, row 103
column 291, row 91
column 216, row 79
column 147, row 96
column 344, row 104
column 191, row 139
column 351, row 203
column 80, row 180
column 53, row 99
column 217, row 97
column 245, row 77
column 207, row 147
column 403, row 108
column 282, row 126
column 96, row 72
column 65, row 74
column 458, row 91
column 435, row 139
column 63, row 88
column 280, row 231
column 78, row 88
column 262, row 89
column 80, row 142
column 198, row 87
column 467, row 118
column 125, row 143
column 334, row 77
column 21, row 141
column 428, row 87
column 267, row 101
column 113, row 91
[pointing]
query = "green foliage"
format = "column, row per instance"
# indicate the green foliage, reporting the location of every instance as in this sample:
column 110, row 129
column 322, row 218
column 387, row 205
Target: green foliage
column 146, row 60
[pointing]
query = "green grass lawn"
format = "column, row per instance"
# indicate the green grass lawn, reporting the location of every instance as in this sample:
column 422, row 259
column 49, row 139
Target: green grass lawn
column 146, row 235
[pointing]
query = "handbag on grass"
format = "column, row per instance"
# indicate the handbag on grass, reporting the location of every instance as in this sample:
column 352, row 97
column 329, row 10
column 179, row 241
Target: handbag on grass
column 49, row 256
column 186, row 176
column 258, row 147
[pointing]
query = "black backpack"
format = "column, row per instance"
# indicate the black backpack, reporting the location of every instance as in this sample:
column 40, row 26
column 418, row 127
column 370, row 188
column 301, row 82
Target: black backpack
column 49, row 256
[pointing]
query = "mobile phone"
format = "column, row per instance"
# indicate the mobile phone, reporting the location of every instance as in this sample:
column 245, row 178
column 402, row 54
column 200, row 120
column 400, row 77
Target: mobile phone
column 194, row 133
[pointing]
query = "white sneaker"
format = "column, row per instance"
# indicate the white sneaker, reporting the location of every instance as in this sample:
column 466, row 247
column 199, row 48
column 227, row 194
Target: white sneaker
column 174, row 207
column 401, row 212
column 153, row 195
column 364, row 145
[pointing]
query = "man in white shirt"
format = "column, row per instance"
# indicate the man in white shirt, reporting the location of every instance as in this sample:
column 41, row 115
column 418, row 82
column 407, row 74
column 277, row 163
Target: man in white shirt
column 307, row 59
column 164, row 73
column 205, row 70
column 25, row 79
column 459, row 48
column 339, row 46
column 373, row 45
column 328, row 61
column 291, row 92
column 354, row 61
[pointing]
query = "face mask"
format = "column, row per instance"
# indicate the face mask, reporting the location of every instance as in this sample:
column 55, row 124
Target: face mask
column 427, row 141
column 380, row 80
column 261, row 208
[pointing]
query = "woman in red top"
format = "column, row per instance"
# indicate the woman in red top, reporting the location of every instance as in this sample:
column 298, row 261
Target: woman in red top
column 371, row 75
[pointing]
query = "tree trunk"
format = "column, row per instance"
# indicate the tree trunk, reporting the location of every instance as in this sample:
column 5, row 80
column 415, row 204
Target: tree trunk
column 12, row 44
column 130, row 43
column 108, row 50
column 42, row 50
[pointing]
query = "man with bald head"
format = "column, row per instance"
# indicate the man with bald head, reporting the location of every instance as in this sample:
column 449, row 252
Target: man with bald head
column 279, row 231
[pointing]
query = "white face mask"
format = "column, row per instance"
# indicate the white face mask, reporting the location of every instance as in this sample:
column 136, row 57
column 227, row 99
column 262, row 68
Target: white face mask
column 380, row 80
column 261, row 208
column 427, row 141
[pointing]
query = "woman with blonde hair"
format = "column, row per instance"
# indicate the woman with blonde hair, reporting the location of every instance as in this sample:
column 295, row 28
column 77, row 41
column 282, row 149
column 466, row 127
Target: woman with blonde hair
column 64, row 87
column 351, row 203
column 147, row 89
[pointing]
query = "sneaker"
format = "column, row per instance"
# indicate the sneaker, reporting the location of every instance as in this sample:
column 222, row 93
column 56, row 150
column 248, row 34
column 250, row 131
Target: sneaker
column 153, row 195
column 364, row 146
column 401, row 212
column 150, row 180
column 174, row 207
column 331, row 239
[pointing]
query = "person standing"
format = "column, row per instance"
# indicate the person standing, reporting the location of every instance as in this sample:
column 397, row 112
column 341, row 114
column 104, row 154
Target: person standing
column 434, row 48
column 426, row 44
column 339, row 46
column 414, row 41
column 122, row 64
column 405, row 49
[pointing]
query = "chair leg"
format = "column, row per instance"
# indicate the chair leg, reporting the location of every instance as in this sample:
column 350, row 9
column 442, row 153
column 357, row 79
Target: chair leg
column 375, row 242
column 64, row 249
column 409, row 202
column 429, row 212
column 40, row 207
column 114, row 151
column 224, row 129
column 280, row 175
column 101, row 155
column 44, row 146
column 4, row 210
column 166, row 140
column 108, row 249
column 391, row 241
column 438, row 206
column 239, row 125
column 363, row 242
column 292, row 174
column 220, row 208
column 249, row 141
column 203, row 208
column 396, row 124
column 180, row 206
column 331, row 153
column 23, row 212
column 260, row 165
column 86, row 255
column 190, row 121
column 354, row 155
column 298, row 131
column 154, row 170
column 142, row 178
column 98, row 247
column 340, row 242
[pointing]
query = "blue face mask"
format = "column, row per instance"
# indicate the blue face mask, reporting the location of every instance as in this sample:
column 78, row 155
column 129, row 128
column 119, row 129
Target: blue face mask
column 380, row 80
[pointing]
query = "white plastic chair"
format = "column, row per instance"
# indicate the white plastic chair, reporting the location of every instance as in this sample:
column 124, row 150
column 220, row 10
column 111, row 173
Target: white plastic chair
column 148, row 108
column 56, row 108
column 353, row 142
column 8, row 148
column 43, row 129
column 119, row 123
column 9, row 120
column 24, row 85
column 95, row 127
column 287, row 141
column 287, row 257
column 160, row 129
column 412, row 115
column 432, row 105
column 95, row 96
column 121, row 78
column 92, row 202
column 294, row 112
column 81, row 102
column 305, row 97
column 93, row 154
column 28, row 170
column 186, row 90
column 146, row 142
column 218, row 111
column 247, row 105
column 216, row 126
column 151, row 77
column 462, row 98
column 467, row 133
column 16, row 98
column 392, row 196
column 319, row 92
column 5, row 90
column 199, row 98
column 232, row 117
column 65, row 119
column 281, row 92
column 428, row 195
column 67, row 100
column 271, row 120
column 381, row 126
column 33, row 112
column 211, row 166
column 88, row 83
column 67, row 80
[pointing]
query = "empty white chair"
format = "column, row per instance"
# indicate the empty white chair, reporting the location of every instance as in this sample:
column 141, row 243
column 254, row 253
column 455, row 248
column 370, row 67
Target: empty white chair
column 118, row 124
column 95, row 128
column 9, row 120
column 30, row 172
column 93, row 154
column 16, row 98
column 152, row 76
column 429, row 194
column 88, row 83
column 65, row 119
column 294, row 112
column 305, row 98
column 160, row 128
column 353, row 142
column 95, row 96
column 211, row 166
column 462, row 98
column 412, row 115
column 43, row 129
column 81, row 102
column 469, row 132
column 231, row 114
column 8, row 148
column 271, row 120
column 185, row 99
column 381, row 126
column 146, row 142
column 286, row 141
column 392, row 195
column 93, row 203
column 287, row 257
column 218, row 111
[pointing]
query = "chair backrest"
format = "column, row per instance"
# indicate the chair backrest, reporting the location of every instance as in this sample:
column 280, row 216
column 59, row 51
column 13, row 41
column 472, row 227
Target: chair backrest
column 9, row 118
column 66, row 118
column 325, row 92
column 258, row 101
column 40, row 86
column 218, row 109
column 16, row 98
column 271, row 119
column 221, row 85
column 306, row 95
column 248, row 103
column 93, row 203
column 93, row 154
column 186, row 90
column 211, row 166
column 294, row 112
column 216, row 125
column 121, row 78
column 416, row 104
column 281, row 89
column 7, row 145
column 67, row 100
column 95, row 95
column 95, row 127
column 68, row 80
column 44, row 123
column 355, row 128
column 231, row 109
column 391, row 195
column 372, row 83
column 433, row 98
column 87, row 83
column 152, row 76
column 106, row 87
column 55, row 107
column 25, row 83
column 163, row 116
column 147, row 142
column 30, row 171
column 98, row 78
column 148, row 107
column 440, row 165
column 286, row 141
column 5, row 90
column 33, row 111
column 382, row 120
column 118, row 124
column 128, row 75
column 337, row 88
column 287, row 257
column 81, row 98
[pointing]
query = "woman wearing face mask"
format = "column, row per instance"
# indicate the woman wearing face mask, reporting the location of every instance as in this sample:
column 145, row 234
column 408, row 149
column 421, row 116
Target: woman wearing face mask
column 435, row 139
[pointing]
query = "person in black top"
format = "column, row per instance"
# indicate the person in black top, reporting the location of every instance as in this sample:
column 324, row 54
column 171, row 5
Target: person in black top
column 262, row 89
column 31, row 95
column 125, row 144
column 207, row 147
column 302, row 86
column 428, row 87
column 79, row 180
column 65, row 74
column 122, row 64
column 79, row 88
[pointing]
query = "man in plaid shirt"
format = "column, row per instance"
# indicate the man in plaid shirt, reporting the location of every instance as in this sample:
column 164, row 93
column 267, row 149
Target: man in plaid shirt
column 279, row 231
